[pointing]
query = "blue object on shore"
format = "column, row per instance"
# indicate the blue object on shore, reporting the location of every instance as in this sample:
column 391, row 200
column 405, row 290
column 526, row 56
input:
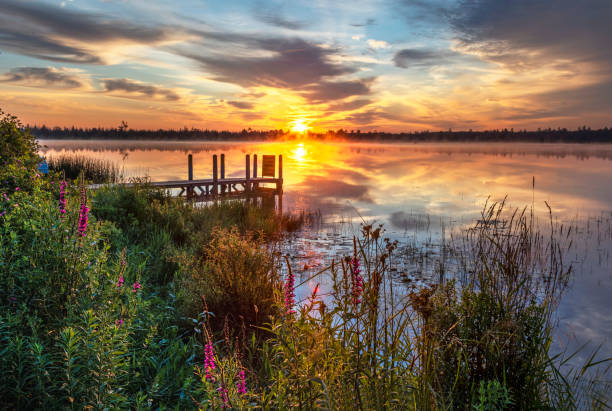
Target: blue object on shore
column 43, row 167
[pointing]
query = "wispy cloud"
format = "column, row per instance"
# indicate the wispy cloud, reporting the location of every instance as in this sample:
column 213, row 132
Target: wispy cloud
column 59, row 34
column 48, row 77
column 136, row 89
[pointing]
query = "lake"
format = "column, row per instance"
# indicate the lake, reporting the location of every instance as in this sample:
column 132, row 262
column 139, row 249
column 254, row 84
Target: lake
column 420, row 192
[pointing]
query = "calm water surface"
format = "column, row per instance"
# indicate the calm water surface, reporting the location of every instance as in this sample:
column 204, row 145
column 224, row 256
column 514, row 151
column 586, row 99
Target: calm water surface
column 415, row 190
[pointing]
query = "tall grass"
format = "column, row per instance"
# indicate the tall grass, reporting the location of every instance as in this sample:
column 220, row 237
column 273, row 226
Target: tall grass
column 93, row 169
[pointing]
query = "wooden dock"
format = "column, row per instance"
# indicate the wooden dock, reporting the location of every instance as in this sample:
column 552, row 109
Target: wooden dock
column 270, row 183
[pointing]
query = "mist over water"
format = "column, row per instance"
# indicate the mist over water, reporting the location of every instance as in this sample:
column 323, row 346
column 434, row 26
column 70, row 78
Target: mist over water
column 418, row 191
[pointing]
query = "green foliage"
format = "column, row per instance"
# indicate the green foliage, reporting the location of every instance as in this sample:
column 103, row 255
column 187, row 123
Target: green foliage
column 492, row 396
column 18, row 156
column 16, row 145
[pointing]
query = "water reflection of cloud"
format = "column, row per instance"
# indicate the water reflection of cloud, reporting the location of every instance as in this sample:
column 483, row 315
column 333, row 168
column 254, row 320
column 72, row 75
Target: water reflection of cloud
column 329, row 188
column 409, row 221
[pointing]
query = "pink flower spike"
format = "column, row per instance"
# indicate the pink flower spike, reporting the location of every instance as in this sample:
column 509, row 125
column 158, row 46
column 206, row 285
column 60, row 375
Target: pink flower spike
column 209, row 361
column 289, row 293
column 119, row 322
column 136, row 286
column 16, row 188
column 120, row 282
column 241, row 386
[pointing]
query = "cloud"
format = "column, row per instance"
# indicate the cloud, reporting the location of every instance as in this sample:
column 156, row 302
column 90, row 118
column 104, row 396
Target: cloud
column 276, row 20
column 138, row 89
column 42, row 77
column 337, row 90
column 522, row 34
column 358, row 37
column 287, row 63
column 349, row 105
column 409, row 58
column 245, row 105
column 368, row 22
column 378, row 44
column 58, row 34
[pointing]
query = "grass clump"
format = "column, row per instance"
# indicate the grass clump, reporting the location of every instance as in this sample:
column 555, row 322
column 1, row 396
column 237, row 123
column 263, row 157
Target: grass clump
column 92, row 169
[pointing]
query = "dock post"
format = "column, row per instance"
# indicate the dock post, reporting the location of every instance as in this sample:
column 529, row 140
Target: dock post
column 222, row 173
column 215, row 188
column 190, row 175
column 279, row 182
column 247, row 186
column 254, row 170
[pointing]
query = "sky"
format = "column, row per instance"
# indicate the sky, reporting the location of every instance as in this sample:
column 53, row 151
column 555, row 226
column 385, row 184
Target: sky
column 392, row 65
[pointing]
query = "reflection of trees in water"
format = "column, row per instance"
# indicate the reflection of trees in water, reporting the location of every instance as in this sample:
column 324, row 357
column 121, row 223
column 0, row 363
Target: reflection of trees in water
column 509, row 150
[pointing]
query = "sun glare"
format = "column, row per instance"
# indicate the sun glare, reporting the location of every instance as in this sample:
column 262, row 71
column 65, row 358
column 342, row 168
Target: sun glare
column 298, row 126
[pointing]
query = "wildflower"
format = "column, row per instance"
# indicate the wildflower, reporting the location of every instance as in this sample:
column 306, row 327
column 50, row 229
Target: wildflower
column 241, row 383
column 119, row 322
column 120, row 282
column 3, row 213
column 136, row 286
column 289, row 293
column 223, row 395
column 356, row 280
column 209, row 361
column 83, row 220
column 62, row 198
column 84, row 211
column 6, row 198
column 16, row 188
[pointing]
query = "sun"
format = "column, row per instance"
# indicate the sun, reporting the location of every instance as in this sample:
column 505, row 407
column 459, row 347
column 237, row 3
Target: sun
column 298, row 126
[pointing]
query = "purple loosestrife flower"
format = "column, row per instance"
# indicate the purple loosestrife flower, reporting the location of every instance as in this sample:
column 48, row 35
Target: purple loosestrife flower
column 16, row 188
column 3, row 213
column 289, row 293
column 83, row 219
column 356, row 280
column 209, row 361
column 62, row 197
column 223, row 395
column 6, row 198
column 136, row 286
column 120, row 282
column 241, row 383
column 119, row 322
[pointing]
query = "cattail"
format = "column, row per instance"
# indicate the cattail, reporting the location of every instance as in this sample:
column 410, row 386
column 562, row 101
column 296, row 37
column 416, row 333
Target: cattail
column 209, row 361
column 62, row 198
column 241, row 386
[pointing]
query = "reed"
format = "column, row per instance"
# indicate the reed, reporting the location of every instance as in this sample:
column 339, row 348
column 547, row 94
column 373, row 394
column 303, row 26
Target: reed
column 93, row 169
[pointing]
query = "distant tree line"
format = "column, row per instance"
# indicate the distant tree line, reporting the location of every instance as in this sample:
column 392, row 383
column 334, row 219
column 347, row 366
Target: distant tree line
column 560, row 135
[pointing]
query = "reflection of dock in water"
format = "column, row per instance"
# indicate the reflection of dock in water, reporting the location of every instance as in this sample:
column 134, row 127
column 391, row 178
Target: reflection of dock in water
column 251, row 186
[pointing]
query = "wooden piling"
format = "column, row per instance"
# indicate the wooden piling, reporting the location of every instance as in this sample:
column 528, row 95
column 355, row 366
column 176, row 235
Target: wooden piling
column 215, row 187
column 254, row 165
column 247, row 186
column 190, row 175
column 279, row 184
column 223, row 186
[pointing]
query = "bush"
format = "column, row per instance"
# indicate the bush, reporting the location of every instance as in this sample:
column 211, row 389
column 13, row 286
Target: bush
column 235, row 278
